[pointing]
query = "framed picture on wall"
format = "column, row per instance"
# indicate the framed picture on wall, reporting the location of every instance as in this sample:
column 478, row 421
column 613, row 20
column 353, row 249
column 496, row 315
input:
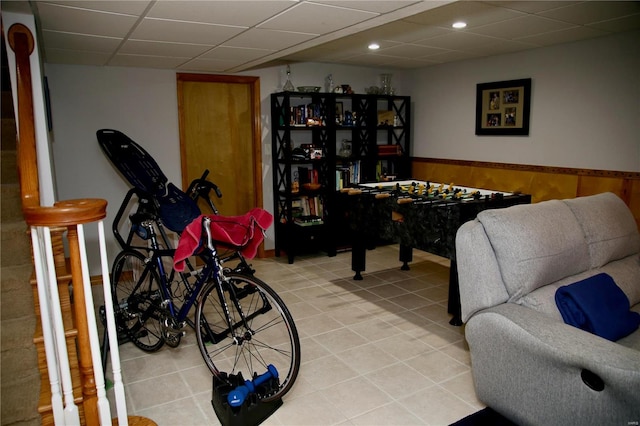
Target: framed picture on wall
column 503, row 107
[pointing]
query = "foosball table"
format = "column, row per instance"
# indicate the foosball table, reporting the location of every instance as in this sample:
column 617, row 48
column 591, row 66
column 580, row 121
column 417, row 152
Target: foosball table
column 417, row 214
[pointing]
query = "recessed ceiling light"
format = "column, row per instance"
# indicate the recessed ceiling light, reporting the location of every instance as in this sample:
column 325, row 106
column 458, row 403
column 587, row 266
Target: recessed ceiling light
column 374, row 46
column 459, row 25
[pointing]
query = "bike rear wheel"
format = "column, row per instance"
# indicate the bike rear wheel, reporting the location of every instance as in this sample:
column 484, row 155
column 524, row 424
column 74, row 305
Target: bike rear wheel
column 262, row 333
column 137, row 298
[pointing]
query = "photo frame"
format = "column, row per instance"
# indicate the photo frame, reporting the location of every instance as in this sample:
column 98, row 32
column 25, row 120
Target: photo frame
column 503, row 107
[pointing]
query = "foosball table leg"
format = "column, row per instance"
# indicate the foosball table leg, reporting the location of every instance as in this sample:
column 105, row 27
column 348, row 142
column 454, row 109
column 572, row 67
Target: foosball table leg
column 405, row 256
column 358, row 257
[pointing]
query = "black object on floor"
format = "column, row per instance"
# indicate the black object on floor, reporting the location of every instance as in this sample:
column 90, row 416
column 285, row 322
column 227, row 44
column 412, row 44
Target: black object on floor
column 250, row 412
column 484, row 417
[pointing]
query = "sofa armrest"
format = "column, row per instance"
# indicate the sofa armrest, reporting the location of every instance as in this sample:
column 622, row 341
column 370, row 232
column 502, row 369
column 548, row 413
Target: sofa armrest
column 530, row 367
column 479, row 276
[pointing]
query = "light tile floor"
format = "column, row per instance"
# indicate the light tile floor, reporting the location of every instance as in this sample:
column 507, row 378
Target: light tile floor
column 374, row 352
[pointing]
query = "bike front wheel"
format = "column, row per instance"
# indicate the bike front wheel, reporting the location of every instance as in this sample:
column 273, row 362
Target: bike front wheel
column 137, row 298
column 257, row 334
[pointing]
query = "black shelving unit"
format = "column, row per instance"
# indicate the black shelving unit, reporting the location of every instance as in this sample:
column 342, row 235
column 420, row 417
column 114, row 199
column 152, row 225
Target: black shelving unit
column 308, row 130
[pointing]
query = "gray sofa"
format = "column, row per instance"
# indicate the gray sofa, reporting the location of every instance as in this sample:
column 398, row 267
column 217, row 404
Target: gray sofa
column 527, row 363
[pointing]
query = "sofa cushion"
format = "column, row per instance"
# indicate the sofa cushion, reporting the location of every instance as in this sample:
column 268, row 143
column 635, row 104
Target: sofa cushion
column 599, row 306
column 625, row 272
column 609, row 227
column 535, row 244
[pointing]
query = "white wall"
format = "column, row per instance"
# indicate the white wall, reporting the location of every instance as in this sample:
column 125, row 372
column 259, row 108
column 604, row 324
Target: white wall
column 585, row 113
column 142, row 103
column 585, row 106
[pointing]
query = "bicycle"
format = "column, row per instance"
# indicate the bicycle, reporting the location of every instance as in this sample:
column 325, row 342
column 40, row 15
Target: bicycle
column 243, row 328
column 242, row 325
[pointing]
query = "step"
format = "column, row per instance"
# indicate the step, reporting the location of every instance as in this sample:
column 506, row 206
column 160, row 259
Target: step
column 9, row 134
column 9, row 167
column 11, row 206
column 15, row 245
column 16, row 297
column 18, row 332
column 20, row 386
column 20, row 399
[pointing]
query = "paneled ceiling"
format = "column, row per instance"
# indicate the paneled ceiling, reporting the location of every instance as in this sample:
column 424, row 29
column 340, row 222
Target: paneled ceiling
column 237, row 35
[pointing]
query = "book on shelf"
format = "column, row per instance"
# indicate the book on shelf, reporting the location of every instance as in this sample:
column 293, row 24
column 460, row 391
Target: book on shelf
column 347, row 174
column 308, row 220
column 306, row 175
column 306, row 115
column 308, row 205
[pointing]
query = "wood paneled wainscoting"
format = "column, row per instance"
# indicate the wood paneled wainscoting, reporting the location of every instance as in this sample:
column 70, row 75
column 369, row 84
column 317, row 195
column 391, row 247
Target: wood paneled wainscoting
column 543, row 183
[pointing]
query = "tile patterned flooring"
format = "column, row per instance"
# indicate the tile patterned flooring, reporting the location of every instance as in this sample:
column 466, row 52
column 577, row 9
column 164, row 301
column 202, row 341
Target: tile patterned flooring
column 374, row 352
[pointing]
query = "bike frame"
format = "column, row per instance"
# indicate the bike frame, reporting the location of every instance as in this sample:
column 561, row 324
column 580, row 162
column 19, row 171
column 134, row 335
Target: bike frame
column 211, row 268
column 155, row 259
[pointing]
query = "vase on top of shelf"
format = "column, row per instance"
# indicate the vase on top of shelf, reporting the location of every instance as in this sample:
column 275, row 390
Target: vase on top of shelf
column 386, row 88
column 288, row 85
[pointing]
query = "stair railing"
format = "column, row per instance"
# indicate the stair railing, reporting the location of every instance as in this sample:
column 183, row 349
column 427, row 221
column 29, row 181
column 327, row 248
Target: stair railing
column 72, row 215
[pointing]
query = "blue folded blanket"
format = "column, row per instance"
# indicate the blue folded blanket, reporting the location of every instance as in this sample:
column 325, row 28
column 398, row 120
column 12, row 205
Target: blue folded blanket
column 599, row 306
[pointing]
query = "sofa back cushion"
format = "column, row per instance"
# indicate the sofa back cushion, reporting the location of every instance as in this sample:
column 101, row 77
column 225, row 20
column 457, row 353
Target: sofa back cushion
column 535, row 244
column 609, row 228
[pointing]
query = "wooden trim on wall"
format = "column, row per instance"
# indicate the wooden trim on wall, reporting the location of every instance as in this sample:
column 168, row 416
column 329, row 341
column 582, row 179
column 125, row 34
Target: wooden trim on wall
column 532, row 168
column 542, row 182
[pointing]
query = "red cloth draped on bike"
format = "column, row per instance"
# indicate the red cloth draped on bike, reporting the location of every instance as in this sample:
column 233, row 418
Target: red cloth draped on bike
column 237, row 232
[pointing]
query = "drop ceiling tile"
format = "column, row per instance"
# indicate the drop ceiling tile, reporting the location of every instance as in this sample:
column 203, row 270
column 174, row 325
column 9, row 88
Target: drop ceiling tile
column 357, row 44
column 521, row 27
column 472, row 12
column 240, row 54
column 408, row 63
column 627, row 23
column 116, row 6
column 324, row 55
column 184, row 32
column 76, row 57
column 593, row 11
column 563, row 36
column 60, row 40
column 316, row 19
column 268, row 39
column 308, row 56
column 531, row 6
column 501, row 47
column 368, row 60
column 409, row 51
column 241, row 13
column 159, row 48
column 453, row 55
column 457, row 41
column 209, row 65
column 403, row 32
column 140, row 61
column 378, row 6
column 84, row 21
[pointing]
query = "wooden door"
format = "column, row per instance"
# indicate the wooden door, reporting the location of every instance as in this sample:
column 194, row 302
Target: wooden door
column 220, row 131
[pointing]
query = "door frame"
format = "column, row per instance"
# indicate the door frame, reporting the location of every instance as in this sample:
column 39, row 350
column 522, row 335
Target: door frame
column 254, row 86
